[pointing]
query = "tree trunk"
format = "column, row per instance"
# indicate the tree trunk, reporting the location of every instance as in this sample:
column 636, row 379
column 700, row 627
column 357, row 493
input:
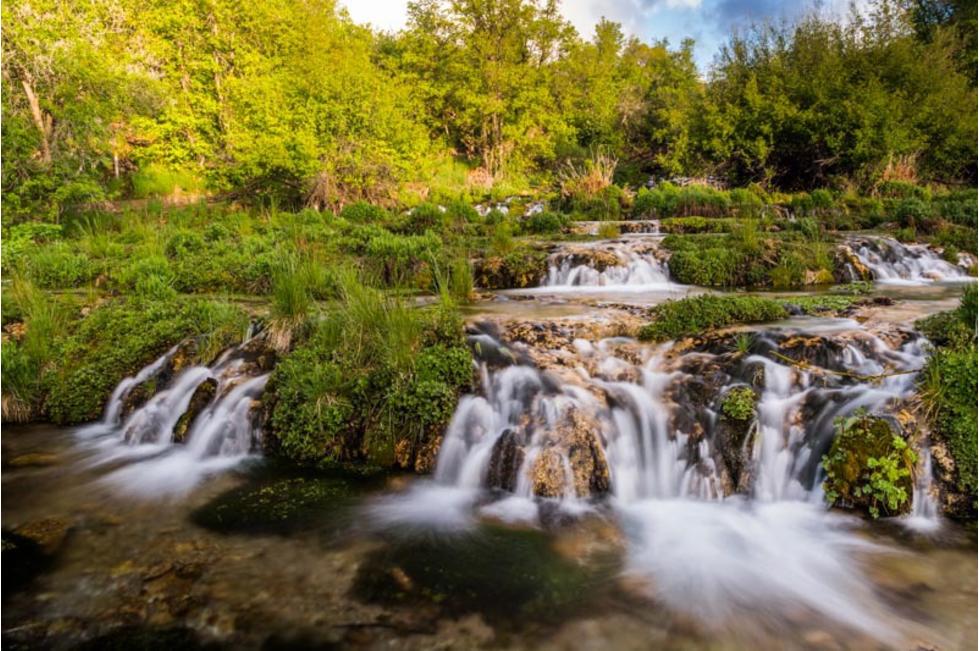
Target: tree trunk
column 41, row 121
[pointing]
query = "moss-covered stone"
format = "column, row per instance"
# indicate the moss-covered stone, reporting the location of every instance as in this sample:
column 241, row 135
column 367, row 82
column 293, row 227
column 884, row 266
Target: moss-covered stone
column 201, row 398
column 869, row 467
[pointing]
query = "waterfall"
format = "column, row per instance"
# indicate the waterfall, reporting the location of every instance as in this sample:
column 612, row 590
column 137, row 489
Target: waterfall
column 510, row 454
column 924, row 515
column 200, row 419
column 894, row 263
column 627, row 263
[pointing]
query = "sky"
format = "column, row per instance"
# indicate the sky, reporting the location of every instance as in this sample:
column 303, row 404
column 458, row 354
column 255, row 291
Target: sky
column 708, row 22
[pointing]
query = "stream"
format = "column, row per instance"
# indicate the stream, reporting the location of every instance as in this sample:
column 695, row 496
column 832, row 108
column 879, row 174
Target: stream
column 589, row 495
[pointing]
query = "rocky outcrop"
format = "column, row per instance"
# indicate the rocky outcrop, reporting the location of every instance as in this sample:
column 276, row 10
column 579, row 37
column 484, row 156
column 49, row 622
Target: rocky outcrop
column 506, row 461
column 848, row 267
column 199, row 400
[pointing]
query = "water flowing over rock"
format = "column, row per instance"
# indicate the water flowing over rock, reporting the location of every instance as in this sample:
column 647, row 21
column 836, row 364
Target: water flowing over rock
column 638, row 422
column 200, row 419
column 889, row 261
column 637, row 262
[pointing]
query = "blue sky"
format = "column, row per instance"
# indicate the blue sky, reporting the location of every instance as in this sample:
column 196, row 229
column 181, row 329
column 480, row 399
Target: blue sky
column 708, row 22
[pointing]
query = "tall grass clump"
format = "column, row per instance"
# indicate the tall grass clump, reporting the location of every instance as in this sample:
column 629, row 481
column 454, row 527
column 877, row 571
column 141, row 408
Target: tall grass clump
column 376, row 379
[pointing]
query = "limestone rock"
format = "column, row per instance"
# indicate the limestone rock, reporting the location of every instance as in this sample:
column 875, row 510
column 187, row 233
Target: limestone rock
column 200, row 399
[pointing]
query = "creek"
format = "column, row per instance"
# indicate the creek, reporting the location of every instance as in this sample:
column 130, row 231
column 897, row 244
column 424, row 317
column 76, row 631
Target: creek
column 590, row 494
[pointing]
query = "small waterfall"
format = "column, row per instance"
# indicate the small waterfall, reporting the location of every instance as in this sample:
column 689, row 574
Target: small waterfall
column 895, row 263
column 648, row 432
column 635, row 226
column 924, row 516
column 200, row 419
column 621, row 263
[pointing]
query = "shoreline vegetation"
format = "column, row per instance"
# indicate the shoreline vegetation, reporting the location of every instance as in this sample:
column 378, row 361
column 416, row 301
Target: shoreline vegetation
column 162, row 163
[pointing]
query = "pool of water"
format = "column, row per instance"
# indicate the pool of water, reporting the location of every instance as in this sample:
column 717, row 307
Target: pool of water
column 265, row 557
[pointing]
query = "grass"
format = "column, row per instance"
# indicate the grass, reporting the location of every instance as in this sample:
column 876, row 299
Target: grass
column 696, row 315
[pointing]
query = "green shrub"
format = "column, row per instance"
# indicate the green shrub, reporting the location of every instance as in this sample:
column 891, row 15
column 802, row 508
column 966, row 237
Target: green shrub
column 545, row 223
column 683, row 225
column 903, row 190
column 119, row 338
column 375, row 379
column 183, row 243
column 608, row 230
column 739, row 403
column 698, row 314
column 362, row 212
column 869, row 467
column 911, row 212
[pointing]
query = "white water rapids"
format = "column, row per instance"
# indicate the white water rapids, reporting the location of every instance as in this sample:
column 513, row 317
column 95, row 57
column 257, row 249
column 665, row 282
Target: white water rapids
column 150, row 462
column 894, row 263
column 771, row 552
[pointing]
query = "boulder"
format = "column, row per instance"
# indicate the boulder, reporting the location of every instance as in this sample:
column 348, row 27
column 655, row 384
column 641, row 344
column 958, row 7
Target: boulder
column 201, row 398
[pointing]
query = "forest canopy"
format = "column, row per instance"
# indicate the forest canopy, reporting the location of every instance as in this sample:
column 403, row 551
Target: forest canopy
column 294, row 103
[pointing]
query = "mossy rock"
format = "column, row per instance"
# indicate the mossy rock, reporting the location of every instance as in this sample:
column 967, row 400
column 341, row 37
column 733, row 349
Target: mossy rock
column 201, row 398
column 869, row 467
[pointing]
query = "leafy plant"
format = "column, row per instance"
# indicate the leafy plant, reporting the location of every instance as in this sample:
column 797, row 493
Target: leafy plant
column 868, row 466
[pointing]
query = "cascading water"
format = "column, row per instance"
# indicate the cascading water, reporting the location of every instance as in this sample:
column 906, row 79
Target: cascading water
column 511, row 452
column 892, row 262
column 217, row 404
column 626, row 264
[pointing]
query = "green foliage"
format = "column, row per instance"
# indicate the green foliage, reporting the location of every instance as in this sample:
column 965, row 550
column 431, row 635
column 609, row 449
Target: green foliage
column 522, row 266
column 739, row 403
column 747, row 258
column 545, row 223
column 374, row 377
column 699, row 314
column 822, row 303
column 869, row 466
column 947, row 389
column 119, row 338
column 947, row 386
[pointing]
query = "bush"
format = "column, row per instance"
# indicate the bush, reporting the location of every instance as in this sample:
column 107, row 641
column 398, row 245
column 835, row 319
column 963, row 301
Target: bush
column 869, row 467
column 376, row 380
column 57, row 266
column 696, row 315
column 361, row 212
column 739, row 404
column 911, row 213
column 544, row 223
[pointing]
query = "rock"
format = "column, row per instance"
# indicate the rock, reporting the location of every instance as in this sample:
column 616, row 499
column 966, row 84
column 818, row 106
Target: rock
column 586, row 455
column 505, row 462
column 48, row 534
column 548, row 474
column 201, row 398
column 138, row 396
column 848, row 267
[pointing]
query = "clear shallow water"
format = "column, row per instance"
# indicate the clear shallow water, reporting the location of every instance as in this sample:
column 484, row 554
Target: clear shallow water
column 333, row 569
column 247, row 555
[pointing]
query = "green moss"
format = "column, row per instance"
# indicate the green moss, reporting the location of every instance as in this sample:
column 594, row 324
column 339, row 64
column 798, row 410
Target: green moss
column 698, row 314
column 119, row 338
column 507, row 575
column 823, row 303
column 282, row 505
column 947, row 389
column 524, row 266
column 869, row 467
column 739, row 403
